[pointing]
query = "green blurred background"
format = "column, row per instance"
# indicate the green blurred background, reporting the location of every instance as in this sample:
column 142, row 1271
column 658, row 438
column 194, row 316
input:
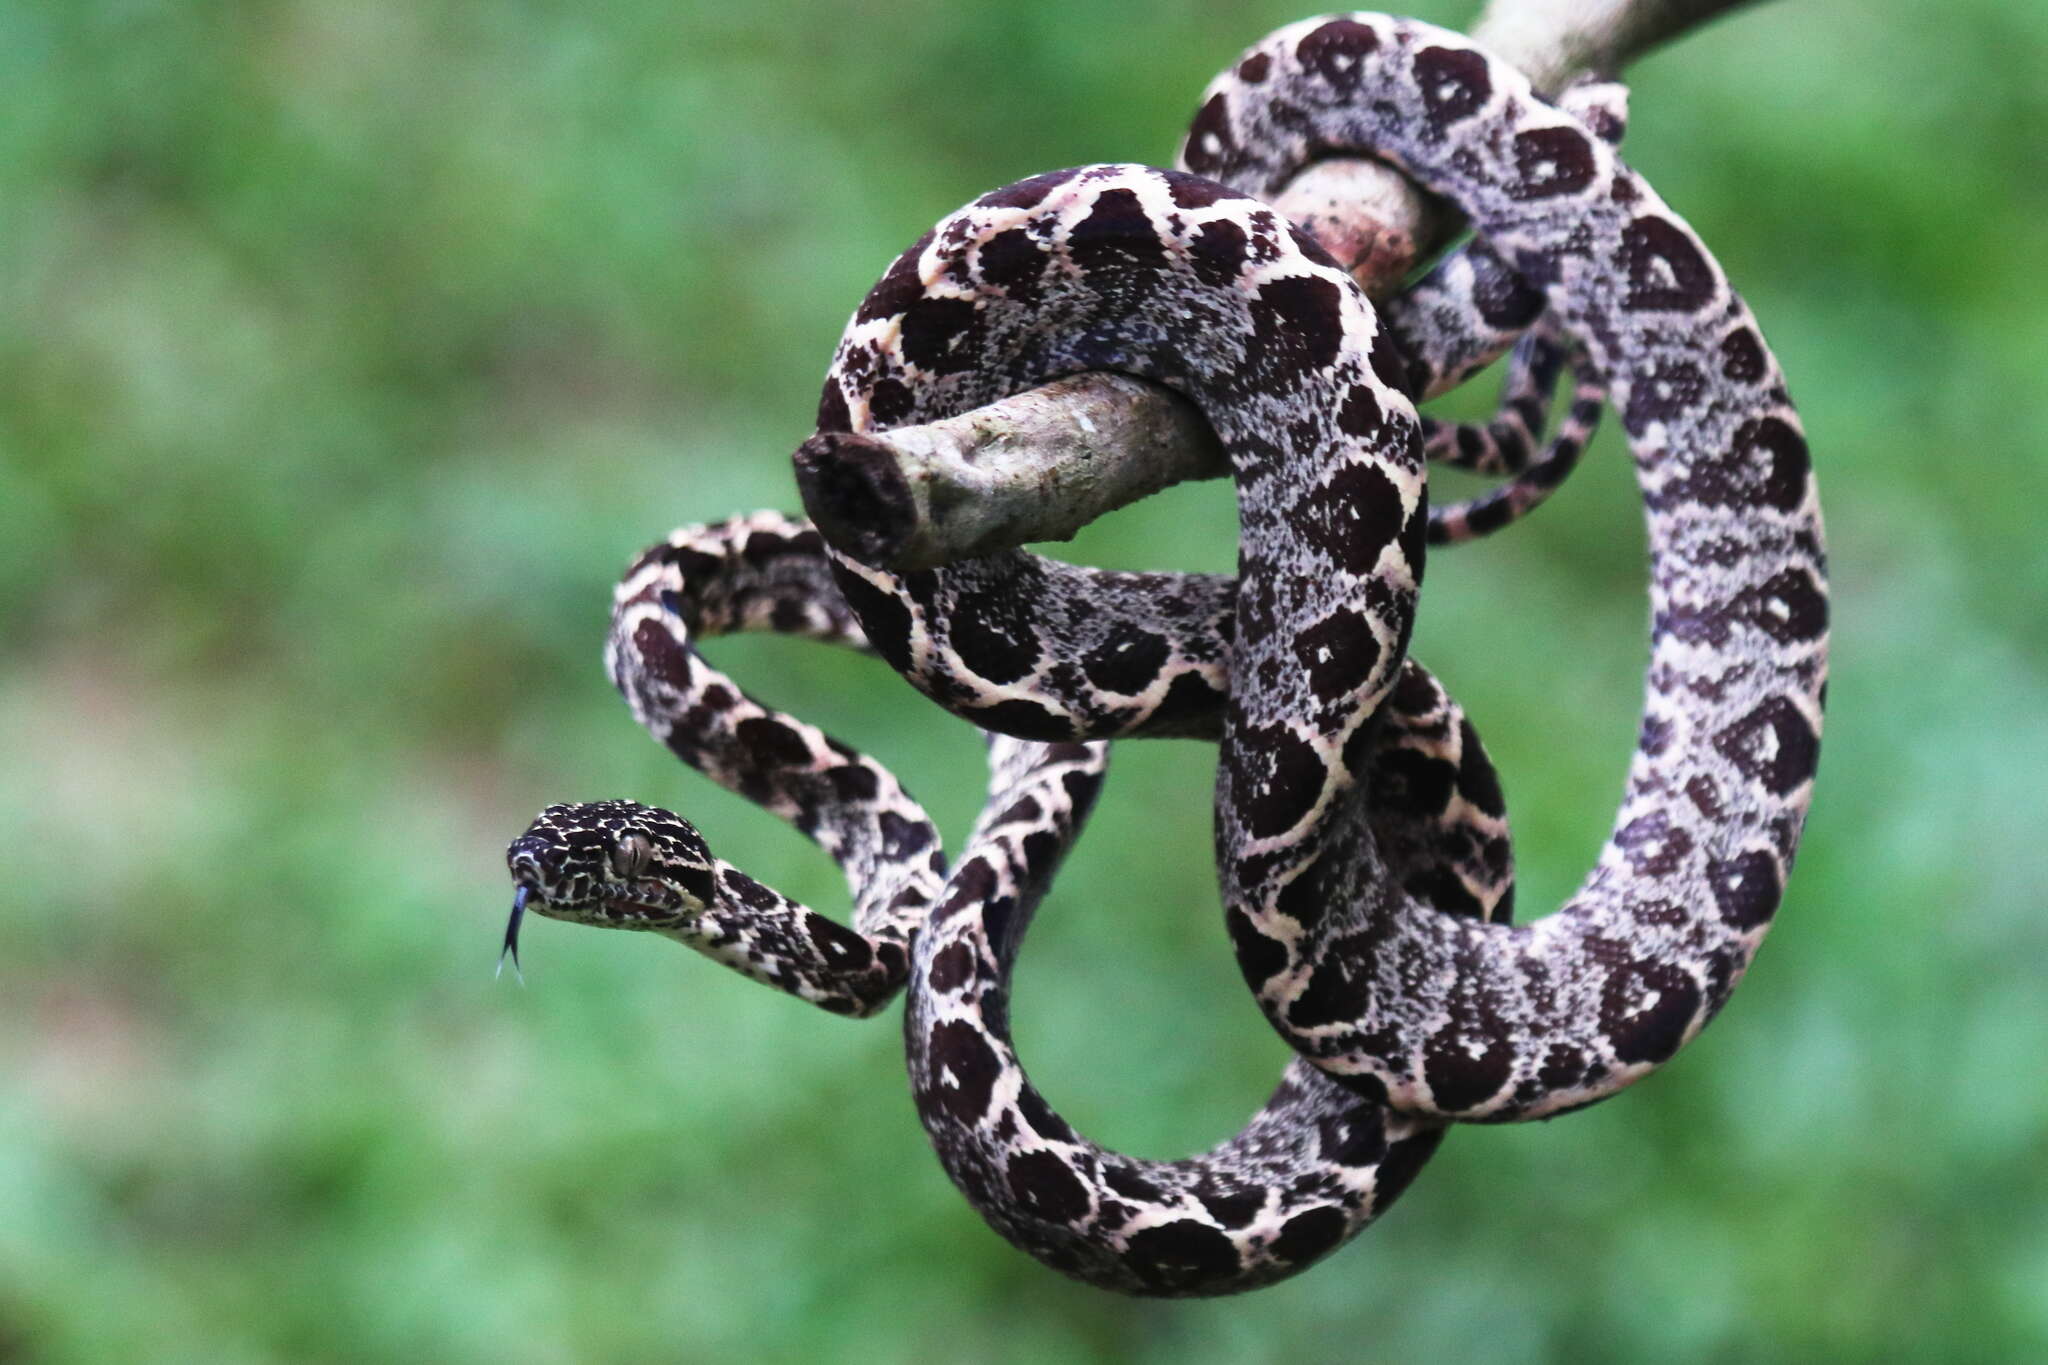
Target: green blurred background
column 348, row 348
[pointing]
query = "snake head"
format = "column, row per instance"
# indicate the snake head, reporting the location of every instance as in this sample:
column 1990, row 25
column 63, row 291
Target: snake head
column 615, row 864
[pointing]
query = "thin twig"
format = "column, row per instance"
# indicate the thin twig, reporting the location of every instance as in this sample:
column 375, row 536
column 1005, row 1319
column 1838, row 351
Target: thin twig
column 1042, row 464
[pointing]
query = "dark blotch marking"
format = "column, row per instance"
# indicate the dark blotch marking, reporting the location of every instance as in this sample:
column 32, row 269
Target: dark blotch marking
column 1405, row 1160
column 738, row 885
column 1794, row 749
column 1393, row 368
column 1337, row 52
column 841, row 946
column 703, row 887
column 1258, row 957
column 771, row 743
column 1310, row 248
column 1013, row 261
column 1022, row 719
column 1705, row 795
column 1412, row 781
column 1130, row 1185
column 661, row 657
column 1040, row 1116
column 1044, row 1186
column 890, row 401
column 1127, row 662
column 833, row 416
column 1253, row 69
column 1082, row 789
column 1652, row 845
column 1746, row 888
column 1665, row 268
column 1361, row 415
column 973, row 883
column 1551, row 162
column 1742, row 356
column 1563, row 1068
column 1352, row 519
column 1297, row 326
column 994, row 634
column 1770, row 446
column 852, row 783
column 1305, row 899
column 1458, row 1079
column 995, row 919
column 1212, row 123
column 1650, row 1035
column 901, row 837
column 1438, row 887
column 1235, row 1209
column 1333, row 994
column 1503, row 297
column 763, row 547
column 1218, row 253
column 952, row 968
column 1310, row 1235
column 1353, row 1137
column 958, row 1050
column 1339, row 652
column 1116, row 235
column 1024, row 808
column 1181, row 1256
column 1478, row 779
column 941, row 335
column 1276, row 777
column 1790, row 607
column 1190, row 706
column 900, row 286
column 1454, row 82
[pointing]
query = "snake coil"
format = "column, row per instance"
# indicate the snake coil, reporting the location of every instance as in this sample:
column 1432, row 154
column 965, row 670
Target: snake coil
column 1361, row 838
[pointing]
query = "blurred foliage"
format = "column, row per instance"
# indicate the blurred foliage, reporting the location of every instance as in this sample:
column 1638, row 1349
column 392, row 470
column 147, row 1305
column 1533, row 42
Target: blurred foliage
column 348, row 348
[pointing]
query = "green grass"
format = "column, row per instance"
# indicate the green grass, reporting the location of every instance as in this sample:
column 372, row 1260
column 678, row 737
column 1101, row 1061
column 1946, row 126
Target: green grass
column 348, row 348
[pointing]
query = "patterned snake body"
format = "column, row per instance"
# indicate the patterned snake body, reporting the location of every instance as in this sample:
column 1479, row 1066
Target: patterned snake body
column 1122, row 267
column 1353, row 877
column 1306, row 1173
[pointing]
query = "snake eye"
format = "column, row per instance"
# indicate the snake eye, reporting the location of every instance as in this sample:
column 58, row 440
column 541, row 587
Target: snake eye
column 630, row 855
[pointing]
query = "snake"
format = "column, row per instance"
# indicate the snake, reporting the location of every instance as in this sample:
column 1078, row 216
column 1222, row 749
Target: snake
column 1306, row 1173
column 1405, row 1012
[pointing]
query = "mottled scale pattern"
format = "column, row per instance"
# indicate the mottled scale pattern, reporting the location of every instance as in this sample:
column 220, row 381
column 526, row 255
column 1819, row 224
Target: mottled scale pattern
column 1308, row 1171
column 1463, row 314
column 1360, row 835
column 1507, row 444
column 1150, row 272
column 1458, row 1020
column 765, row 572
column 1311, row 1168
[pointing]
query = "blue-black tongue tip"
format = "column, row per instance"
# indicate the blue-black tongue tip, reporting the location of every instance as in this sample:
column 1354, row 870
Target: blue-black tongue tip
column 511, row 948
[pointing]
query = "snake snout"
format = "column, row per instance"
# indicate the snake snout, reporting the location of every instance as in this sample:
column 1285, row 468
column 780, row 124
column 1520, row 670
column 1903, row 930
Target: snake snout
column 528, row 861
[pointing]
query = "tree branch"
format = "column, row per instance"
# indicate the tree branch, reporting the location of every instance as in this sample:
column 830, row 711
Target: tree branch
column 1042, row 464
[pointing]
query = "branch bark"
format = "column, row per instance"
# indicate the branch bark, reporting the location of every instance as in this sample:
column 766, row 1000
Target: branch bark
column 1042, row 464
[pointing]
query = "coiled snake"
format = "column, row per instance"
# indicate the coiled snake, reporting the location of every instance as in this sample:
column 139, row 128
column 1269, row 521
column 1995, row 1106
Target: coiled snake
column 1359, row 833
